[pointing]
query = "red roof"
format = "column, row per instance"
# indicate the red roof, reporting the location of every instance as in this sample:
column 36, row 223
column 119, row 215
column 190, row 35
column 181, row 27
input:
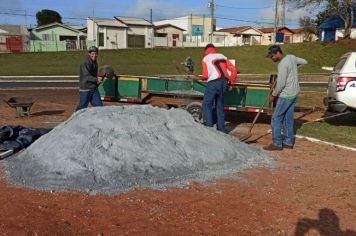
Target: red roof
column 271, row 30
column 237, row 30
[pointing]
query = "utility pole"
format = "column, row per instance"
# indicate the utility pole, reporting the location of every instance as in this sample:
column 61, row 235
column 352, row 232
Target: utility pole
column 275, row 23
column 283, row 20
column 151, row 16
column 212, row 8
column 151, row 20
column 26, row 17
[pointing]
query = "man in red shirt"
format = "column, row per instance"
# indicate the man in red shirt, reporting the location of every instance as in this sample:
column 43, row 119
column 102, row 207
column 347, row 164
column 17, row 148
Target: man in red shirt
column 220, row 73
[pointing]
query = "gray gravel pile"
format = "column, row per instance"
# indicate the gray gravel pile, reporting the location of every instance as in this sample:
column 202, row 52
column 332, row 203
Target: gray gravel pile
column 113, row 149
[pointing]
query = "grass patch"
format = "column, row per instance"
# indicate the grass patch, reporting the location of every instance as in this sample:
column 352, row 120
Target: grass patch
column 340, row 130
column 158, row 61
column 311, row 98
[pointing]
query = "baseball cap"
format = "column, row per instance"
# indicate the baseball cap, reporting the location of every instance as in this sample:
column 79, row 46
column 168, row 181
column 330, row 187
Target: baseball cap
column 210, row 45
column 93, row 49
column 273, row 50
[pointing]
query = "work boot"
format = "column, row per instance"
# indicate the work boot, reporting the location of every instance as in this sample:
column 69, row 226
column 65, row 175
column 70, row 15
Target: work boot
column 287, row 146
column 271, row 147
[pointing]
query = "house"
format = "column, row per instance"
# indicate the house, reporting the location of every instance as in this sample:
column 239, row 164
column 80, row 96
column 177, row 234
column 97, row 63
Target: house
column 283, row 35
column 3, row 37
column 168, row 36
column 14, row 38
column 106, row 33
column 119, row 32
column 333, row 29
column 139, row 33
column 301, row 35
column 243, row 35
column 197, row 29
column 56, row 37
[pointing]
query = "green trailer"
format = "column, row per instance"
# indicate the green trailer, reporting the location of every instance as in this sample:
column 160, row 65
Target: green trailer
column 184, row 92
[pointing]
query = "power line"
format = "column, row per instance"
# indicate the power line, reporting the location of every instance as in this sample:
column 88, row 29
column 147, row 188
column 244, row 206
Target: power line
column 242, row 8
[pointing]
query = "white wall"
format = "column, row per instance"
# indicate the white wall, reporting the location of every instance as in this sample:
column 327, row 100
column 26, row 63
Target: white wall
column 340, row 33
column 115, row 38
column 161, row 42
column 143, row 30
column 91, row 27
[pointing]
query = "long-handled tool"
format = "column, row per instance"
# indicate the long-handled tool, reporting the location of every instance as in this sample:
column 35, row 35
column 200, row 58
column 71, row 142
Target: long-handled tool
column 249, row 134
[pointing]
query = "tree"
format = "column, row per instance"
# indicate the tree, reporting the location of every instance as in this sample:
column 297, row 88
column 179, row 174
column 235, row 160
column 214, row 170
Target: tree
column 308, row 25
column 342, row 8
column 323, row 16
column 46, row 16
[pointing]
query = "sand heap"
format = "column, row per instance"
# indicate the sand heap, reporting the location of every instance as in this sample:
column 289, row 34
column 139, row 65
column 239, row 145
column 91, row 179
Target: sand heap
column 113, row 149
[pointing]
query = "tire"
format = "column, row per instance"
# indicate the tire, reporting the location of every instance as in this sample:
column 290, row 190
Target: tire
column 196, row 110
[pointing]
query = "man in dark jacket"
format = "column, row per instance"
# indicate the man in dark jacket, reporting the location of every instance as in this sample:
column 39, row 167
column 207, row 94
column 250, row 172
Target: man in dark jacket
column 89, row 80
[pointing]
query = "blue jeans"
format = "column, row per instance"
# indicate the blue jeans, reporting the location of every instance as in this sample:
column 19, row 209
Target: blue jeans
column 91, row 96
column 214, row 93
column 282, row 118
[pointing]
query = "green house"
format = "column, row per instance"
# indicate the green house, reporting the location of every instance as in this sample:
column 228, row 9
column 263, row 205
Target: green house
column 56, row 37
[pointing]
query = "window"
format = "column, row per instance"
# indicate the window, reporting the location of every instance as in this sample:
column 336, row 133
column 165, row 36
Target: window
column 101, row 39
column 46, row 37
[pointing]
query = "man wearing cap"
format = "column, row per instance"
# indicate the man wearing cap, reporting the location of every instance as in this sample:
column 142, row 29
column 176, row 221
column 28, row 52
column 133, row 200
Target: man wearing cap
column 216, row 68
column 286, row 90
column 89, row 80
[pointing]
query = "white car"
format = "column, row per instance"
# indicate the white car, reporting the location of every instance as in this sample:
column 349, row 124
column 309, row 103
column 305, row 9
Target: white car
column 341, row 93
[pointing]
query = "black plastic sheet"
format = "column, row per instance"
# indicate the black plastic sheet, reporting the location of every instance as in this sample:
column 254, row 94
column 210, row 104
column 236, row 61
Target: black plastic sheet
column 17, row 137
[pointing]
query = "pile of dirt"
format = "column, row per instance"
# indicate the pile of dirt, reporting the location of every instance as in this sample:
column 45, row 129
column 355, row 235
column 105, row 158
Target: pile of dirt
column 113, row 149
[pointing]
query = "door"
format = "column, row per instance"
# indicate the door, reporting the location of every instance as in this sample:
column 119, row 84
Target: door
column 175, row 39
column 136, row 41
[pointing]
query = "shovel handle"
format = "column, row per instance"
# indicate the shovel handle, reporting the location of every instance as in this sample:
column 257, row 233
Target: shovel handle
column 263, row 105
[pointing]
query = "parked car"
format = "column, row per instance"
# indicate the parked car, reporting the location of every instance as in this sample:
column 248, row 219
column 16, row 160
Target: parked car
column 341, row 94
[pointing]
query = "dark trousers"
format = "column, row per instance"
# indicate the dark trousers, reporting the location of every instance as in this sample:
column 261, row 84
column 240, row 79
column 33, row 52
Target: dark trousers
column 91, row 96
column 214, row 94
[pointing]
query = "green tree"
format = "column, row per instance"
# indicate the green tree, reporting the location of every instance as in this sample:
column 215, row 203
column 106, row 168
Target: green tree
column 342, row 8
column 309, row 27
column 46, row 16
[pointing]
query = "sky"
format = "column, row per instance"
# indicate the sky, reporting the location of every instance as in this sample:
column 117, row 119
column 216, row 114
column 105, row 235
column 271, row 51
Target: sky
column 228, row 13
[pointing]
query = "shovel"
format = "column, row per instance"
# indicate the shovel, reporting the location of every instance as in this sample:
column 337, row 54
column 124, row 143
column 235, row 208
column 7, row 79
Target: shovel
column 249, row 134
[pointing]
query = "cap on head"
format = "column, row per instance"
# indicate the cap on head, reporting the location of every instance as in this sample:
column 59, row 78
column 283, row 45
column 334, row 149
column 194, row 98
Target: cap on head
column 93, row 49
column 273, row 50
column 210, row 45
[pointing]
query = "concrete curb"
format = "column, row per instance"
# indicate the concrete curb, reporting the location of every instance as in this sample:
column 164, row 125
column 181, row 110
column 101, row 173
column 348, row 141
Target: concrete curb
column 314, row 140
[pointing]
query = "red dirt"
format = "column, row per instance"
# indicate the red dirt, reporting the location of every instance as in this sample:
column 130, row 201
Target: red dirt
column 311, row 191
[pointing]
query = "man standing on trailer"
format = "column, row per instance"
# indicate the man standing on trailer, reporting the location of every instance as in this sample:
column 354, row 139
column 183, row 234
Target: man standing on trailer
column 89, row 80
column 286, row 89
column 216, row 68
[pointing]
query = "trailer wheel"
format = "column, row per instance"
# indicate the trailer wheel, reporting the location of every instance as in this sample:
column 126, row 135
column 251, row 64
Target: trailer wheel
column 196, row 110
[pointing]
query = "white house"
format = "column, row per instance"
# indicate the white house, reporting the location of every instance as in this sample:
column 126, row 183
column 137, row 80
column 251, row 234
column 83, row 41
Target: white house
column 120, row 32
column 197, row 29
column 106, row 33
column 168, row 36
column 242, row 35
column 139, row 32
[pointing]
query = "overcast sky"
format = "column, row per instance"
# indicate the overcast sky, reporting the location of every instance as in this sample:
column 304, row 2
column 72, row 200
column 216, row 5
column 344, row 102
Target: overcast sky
column 228, row 13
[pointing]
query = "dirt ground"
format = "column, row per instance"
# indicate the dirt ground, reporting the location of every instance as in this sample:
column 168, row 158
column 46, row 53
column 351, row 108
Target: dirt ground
column 310, row 191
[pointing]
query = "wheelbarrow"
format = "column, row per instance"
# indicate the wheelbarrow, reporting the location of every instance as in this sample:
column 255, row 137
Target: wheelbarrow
column 22, row 105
